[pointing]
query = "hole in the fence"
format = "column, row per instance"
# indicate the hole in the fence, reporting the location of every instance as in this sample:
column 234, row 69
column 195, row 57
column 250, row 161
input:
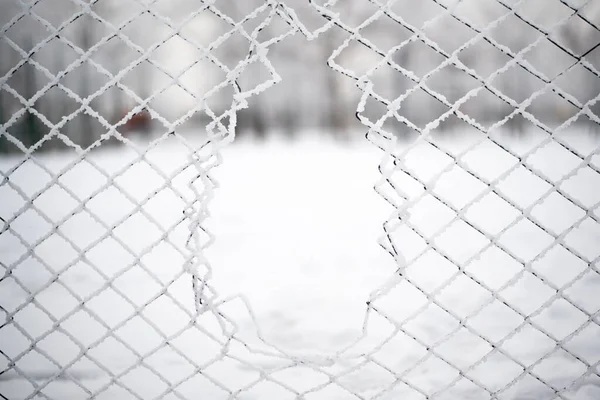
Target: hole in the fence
column 297, row 221
column 297, row 226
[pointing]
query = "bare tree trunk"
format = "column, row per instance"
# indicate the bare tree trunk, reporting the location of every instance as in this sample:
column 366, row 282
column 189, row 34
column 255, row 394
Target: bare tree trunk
column 258, row 121
column 337, row 111
column 87, row 134
column 3, row 141
column 57, row 107
column 32, row 132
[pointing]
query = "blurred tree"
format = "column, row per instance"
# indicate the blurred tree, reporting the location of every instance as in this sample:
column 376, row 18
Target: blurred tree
column 338, row 113
column 87, row 134
column 3, row 119
column 31, row 126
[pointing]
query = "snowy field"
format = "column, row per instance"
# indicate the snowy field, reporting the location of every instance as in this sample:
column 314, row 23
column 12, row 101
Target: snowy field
column 297, row 225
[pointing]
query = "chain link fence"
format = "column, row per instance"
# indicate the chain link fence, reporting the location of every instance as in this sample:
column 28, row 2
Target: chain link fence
column 486, row 114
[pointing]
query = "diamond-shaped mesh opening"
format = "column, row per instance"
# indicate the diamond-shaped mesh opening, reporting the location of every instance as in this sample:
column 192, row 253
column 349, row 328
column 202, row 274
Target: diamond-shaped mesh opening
column 549, row 59
column 461, row 33
column 548, row 370
column 407, row 56
column 28, row 130
column 144, row 42
column 427, row 11
column 351, row 17
column 27, row 81
column 563, row 110
column 517, row 84
column 578, row 35
column 115, row 14
column 577, row 81
column 452, row 83
column 232, row 49
column 420, row 98
column 55, row 104
column 358, row 58
column 398, row 33
column 469, row 11
column 176, row 11
column 487, row 108
column 529, row 11
column 504, row 214
column 385, row 74
column 514, row 33
column 550, row 266
column 114, row 55
column 195, row 28
column 56, row 13
column 495, row 59
column 84, row 80
column 580, row 293
column 547, row 214
column 444, row 373
column 25, row 31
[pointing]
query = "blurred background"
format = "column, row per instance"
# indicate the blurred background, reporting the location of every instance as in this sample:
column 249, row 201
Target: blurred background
column 311, row 96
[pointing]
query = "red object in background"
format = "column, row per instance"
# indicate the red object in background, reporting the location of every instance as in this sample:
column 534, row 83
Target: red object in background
column 137, row 122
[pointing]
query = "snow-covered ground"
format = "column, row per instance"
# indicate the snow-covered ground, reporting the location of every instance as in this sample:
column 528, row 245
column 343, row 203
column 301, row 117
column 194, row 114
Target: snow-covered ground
column 296, row 226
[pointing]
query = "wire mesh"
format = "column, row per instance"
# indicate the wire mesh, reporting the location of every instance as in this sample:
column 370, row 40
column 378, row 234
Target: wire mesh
column 527, row 320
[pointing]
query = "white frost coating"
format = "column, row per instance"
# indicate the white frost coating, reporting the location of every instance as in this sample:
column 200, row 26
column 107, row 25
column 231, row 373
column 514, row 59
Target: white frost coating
column 227, row 331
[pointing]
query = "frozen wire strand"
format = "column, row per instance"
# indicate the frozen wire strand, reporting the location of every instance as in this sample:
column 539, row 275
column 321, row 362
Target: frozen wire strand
column 197, row 220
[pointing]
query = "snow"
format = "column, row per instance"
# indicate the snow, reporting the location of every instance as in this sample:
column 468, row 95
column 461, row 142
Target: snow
column 297, row 225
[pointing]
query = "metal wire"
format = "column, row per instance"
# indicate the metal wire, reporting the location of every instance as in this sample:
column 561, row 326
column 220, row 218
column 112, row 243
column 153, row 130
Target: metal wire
column 334, row 368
